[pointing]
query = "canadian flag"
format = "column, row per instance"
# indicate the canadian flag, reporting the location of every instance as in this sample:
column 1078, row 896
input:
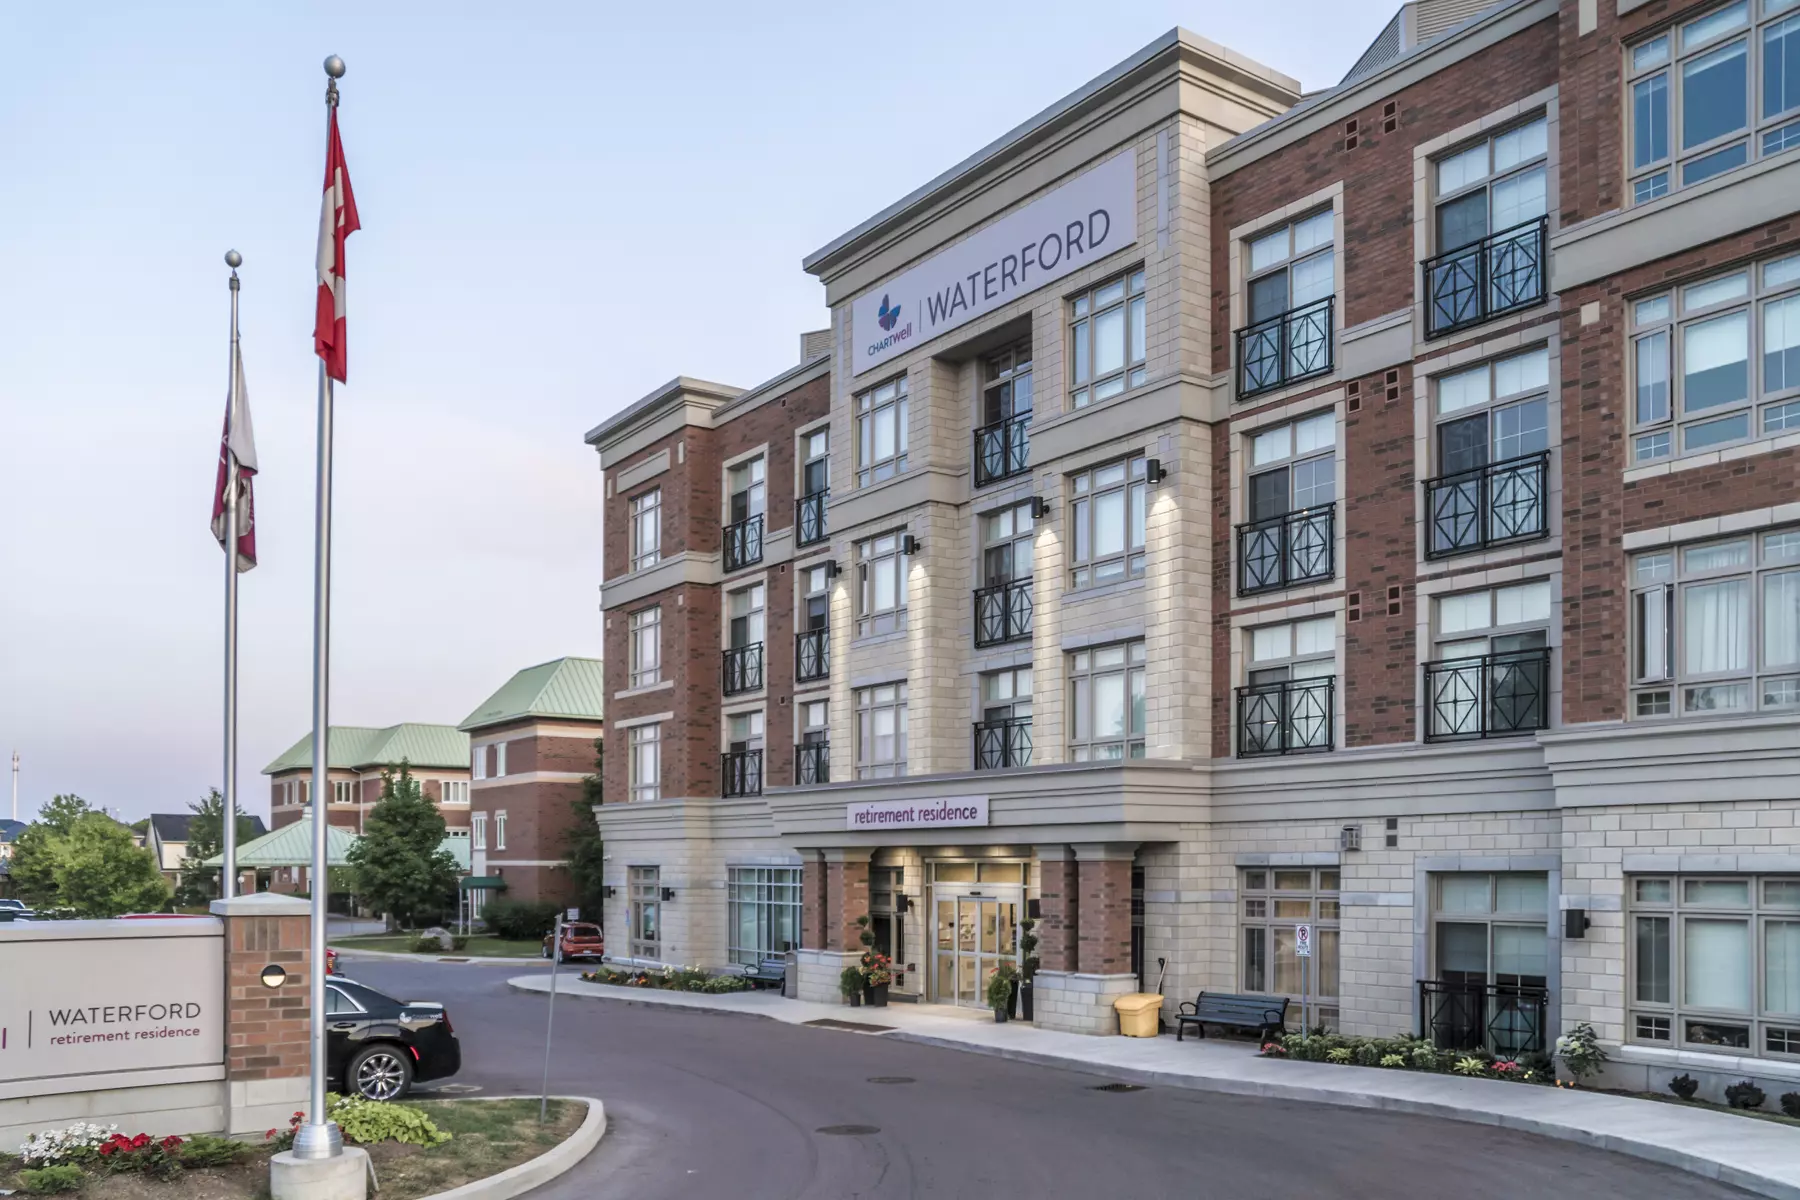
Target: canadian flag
column 337, row 221
column 237, row 466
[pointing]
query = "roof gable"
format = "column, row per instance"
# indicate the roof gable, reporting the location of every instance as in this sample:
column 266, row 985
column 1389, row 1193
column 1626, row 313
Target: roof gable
column 355, row 747
column 570, row 688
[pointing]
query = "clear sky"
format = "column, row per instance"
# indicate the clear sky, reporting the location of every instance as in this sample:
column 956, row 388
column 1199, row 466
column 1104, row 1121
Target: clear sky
column 563, row 206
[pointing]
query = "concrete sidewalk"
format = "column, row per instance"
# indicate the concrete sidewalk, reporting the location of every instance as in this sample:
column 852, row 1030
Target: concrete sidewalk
column 1762, row 1157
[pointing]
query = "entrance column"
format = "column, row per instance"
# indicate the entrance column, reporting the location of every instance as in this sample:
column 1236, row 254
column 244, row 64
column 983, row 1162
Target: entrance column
column 846, row 896
column 1085, row 943
column 835, row 891
column 1105, row 889
column 1058, row 911
column 812, row 902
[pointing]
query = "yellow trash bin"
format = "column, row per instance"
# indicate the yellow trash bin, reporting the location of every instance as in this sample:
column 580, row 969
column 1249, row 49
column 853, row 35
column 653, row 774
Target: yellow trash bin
column 1138, row 1013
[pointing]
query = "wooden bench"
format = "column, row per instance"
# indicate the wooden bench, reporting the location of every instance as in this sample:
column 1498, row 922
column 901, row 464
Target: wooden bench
column 769, row 973
column 1265, row 1014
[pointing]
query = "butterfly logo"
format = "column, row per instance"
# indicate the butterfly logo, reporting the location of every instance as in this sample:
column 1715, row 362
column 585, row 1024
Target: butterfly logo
column 888, row 317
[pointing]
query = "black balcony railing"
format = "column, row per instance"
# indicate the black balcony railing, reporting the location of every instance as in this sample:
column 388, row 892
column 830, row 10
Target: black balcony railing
column 1003, row 743
column 1289, row 717
column 741, row 772
column 1003, row 613
column 809, row 518
column 1285, row 348
column 1278, row 552
column 743, row 669
column 1003, row 449
column 744, row 543
column 812, row 763
column 1495, row 505
column 1494, row 695
column 812, row 655
column 1504, row 1019
column 1473, row 283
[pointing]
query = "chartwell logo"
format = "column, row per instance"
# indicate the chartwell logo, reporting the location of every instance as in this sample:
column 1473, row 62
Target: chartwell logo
column 888, row 316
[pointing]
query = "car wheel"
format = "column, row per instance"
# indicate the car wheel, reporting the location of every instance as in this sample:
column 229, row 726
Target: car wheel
column 380, row 1073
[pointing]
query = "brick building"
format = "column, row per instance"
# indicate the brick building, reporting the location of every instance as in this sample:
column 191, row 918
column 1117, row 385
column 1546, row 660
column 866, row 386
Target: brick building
column 1375, row 510
column 437, row 754
column 531, row 745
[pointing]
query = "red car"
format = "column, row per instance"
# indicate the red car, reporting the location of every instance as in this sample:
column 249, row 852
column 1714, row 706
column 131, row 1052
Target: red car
column 580, row 939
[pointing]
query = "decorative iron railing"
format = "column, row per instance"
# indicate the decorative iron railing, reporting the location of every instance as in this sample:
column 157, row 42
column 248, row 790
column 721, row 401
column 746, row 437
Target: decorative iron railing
column 1290, row 717
column 742, row 772
column 744, row 543
column 1504, row 1019
column 1296, row 547
column 1495, row 505
column 1493, row 695
column 1286, row 348
column 1003, row 743
column 812, row 655
column 812, row 763
column 1474, row 283
column 1003, row 449
column 1003, row 613
column 809, row 518
column 743, row 669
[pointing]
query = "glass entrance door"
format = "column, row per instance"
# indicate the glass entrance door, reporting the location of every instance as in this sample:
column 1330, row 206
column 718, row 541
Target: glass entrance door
column 974, row 935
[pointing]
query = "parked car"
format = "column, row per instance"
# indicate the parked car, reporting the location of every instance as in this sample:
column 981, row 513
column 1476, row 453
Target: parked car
column 580, row 939
column 15, row 910
column 377, row 1047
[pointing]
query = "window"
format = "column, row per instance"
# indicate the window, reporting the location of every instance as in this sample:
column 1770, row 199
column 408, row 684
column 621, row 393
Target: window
column 646, row 647
column 881, row 731
column 478, row 831
column 815, row 487
column 743, row 765
column 812, row 640
column 880, row 585
column 1489, row 229
column 1106, row 339
column 1490, row 951
column 1725, row 368
column 812, row 757
column 1491, row 674
column 646, row 762
column 746, row 498
column 1715, row 963
column 1002, row 440
column 1287, row 703
column 1108, row 523
column 881, row 432
column 1291, row 278
column 455, row 791
column 744, row 607
column 1718, row 625
column 646, row 529
column 763, row 906
column 644, row 912
column 343, row 791
column 1003, row 735
column 499, row 759
column 1106, row 703
column 1272, row 902
column 1712, row 94
column 1003, row 603
column 1292, row 489
column 478, row 768
column 500, row 829
column 1490, row 438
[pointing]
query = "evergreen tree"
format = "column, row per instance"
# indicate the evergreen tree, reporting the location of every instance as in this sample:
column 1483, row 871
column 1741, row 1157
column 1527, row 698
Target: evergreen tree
column 585, row 849
column 206, row 839
column 100, row 873
column 400, row 864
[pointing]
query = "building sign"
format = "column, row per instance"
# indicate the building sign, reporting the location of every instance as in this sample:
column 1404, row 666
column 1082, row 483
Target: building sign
column 1085, row 219
column 917, row 814
column 107, row 1007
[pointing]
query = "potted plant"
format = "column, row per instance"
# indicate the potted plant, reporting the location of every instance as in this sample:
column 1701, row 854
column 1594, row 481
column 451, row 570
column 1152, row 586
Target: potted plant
column 877, row 974
column 850, row 985
column 1000, row 991
column 1028, row 965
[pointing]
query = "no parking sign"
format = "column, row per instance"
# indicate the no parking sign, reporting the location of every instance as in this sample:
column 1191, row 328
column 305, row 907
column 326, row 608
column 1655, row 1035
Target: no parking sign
column 1303, row 941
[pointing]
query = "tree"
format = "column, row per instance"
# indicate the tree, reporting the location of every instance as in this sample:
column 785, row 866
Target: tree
column 585, row 848
column 401, row 865
column 206, row 838
column 100, row 873
column 39, row 849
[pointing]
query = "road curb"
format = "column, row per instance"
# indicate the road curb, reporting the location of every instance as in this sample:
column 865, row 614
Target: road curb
column 557, row 1160
column 353, row 953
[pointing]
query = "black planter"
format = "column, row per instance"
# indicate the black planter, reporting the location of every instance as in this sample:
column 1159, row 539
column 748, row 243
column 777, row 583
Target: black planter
column 876, row 995
column 1025, row 1001
column 1000, row 1016
column 855, row 999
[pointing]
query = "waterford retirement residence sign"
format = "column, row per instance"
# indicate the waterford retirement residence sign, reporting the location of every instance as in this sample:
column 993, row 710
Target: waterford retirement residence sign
column 1065, row 229
column 917, row 814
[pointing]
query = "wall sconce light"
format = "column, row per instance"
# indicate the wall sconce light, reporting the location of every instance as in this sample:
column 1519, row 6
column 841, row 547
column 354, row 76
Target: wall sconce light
column 905, row 904
column 273, row 976
column 1153, row 471
column 832, row 570
column 909, row 544
column 668, row 893
column 1040, row 508
column 608, row 891
column 1575, row 923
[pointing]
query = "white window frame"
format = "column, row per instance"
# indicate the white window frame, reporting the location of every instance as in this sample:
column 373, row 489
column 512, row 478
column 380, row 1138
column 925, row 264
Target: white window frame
column 885, row 404
column 478, row 763
column 478, row 831
column 646, row 529
column 643, row 762
column 772, row 897
column 499, row 759
column 1661, row 581
column 454, row 791
column 1126, row 479
column 343, row 791
column 805, row 455
column 500, row 829
column 1123, row 295
column 1769, row 298
column 644, row 638
column 1489, row 144
column 1263, row 241
column 1665, row 58
column 1272, row 900
column 1088, row 668
column 876, row 556
column 887, row 698
column 1281, row 446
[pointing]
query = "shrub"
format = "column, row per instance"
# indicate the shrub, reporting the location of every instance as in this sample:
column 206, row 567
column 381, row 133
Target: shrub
column 1684, row 1086
column 1469, row 1065
column 204, row 1150
column 1744, row 1094
column 1368, row 1055
column 1338, row 1054
column 141, row 1153
column 283, row 1139
column 1539, row 1064
column 77, row 1143
column 720, row 984
column 1393, row 1060
column 46, row 1180
column 1425, row 1058
column 1790, row 1104
column 371, row 1121
column 1580, row 1049
column 520, row 920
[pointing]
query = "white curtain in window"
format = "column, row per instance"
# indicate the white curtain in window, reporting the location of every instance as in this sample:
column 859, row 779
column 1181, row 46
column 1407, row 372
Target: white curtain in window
column 1520, row 950
column 1109, row 705
column 1314, row 231
column 1109, row 524
column 1311, row 280
column 1522, row 373
column 1518, row 199
column 1522, row 893
column 1781, row 343
column 1781, row 967
column 1781, row 619
column 1715, row 627
column 1715, row 970
column 1465, row 389
column 1715, row 356
column 1463, row 894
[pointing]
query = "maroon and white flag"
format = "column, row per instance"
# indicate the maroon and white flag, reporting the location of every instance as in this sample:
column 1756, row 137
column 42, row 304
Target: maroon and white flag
column 237, row 466
column 337, row 221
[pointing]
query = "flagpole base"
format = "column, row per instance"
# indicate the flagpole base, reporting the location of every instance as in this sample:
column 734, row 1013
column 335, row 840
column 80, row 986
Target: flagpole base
column 314, row 1142
column 345, row 1177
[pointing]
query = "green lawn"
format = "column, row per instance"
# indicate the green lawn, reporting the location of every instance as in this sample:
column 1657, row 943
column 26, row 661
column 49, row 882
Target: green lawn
column 482, row 944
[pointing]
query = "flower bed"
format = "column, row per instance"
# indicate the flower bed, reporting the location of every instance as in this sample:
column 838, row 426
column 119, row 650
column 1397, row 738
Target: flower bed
column 669, row 979
column 1411, row 1054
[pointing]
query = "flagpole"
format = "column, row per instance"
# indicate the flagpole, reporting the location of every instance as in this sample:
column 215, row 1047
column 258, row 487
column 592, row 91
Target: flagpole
column 228, row 813
column 320, row 1137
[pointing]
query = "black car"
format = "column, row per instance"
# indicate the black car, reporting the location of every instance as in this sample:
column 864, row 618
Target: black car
column 377, row 1047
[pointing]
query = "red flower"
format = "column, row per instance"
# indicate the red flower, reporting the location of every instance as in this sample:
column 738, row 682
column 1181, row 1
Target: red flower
column 170, row 1142
column 107, row 1148
column 267, row 1136
column 140, row 1141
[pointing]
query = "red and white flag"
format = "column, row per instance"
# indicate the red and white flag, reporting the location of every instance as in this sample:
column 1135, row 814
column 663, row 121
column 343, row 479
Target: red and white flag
column 237, row 466
column 337, row 221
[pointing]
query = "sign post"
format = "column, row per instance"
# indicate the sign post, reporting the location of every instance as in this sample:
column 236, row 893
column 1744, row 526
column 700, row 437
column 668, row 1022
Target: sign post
column 1303, row 952
column 550, row 1016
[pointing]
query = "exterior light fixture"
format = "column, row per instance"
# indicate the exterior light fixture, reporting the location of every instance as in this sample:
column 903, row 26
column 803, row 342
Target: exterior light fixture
column 1153, row 470
column 273, row 976
column 1040, row 508
column 832, row 570
column 909, row 544
column 668, row 893
column 609, row 891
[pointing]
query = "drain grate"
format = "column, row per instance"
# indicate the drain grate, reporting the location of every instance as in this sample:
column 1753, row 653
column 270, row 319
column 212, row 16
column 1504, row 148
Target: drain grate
column 1119, row 1087
column 849, row 1130
column 850, row 1026
column 892, row 1079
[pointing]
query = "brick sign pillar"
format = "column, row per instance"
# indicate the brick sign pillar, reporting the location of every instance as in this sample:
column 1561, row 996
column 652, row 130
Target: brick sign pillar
column 266, row 1028
column 846, row 897
column 1058, row 917
column 1105, row 887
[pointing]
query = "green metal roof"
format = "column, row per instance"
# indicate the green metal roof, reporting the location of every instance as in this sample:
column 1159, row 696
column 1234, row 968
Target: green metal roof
column 291, row 846
column 354, row 747
column 564, row 687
